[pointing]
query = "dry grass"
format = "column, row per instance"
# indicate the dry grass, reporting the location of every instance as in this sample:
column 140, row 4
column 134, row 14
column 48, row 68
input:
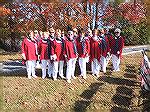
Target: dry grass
column 113, row 92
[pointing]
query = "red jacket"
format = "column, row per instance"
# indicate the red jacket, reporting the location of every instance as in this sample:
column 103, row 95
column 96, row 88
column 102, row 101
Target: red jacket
column 95, row 50
column 105, row 46
column 43, row 49
column 83, row 52
column 58, row 49
column 69, row 49
column 29, row 48
column 117, row 45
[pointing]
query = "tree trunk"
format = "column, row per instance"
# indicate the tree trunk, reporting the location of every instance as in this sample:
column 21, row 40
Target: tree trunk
column 96, row 16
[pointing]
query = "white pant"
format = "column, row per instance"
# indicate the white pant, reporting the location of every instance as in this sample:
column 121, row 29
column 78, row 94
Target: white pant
column 115, row 62
column 50, row 68
column 95, row 66
column 58, row 65
column 44, row 64
column 30, row 64
column 103, row 63
column 70, row 68
column 82, row 64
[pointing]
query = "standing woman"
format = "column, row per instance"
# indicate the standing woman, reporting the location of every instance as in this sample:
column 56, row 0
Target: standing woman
column 83, row 47
column 43, row 51
column 29, row 54
column 58, row 55
column 104, row 49
column 49, row 42
column 70, row 55
column 95, row 53
column 116, row 44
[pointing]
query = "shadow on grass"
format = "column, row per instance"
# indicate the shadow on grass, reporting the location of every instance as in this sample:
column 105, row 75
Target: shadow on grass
column 119, row 109
column 130, row 69
column 122, row 98
column 144, row 100
column 118, row 81
column 81, row 105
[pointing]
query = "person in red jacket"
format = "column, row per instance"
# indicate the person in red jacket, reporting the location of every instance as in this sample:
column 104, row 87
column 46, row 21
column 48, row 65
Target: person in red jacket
column 105, row 49
column 83, row 47
column 50, row 41
column 29, row 54
column 57, row 55
column 70, row 55
column 95, row 53
column 43, row 52
column 116, row 45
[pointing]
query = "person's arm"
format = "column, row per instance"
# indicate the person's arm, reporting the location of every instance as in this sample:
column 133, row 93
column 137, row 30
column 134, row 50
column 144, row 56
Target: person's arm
column 23, row 50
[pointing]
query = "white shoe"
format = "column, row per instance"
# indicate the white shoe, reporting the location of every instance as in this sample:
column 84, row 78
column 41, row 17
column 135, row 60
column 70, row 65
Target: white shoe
column 84, row 76
column 63, row 77
column 68, row 80
column 116, row 70
column 54, row 79
column 29, row 77
column 49, row 76
column 34, row 76
column 73, row 77
column 97, row 75
column 43, row 77
column 93, row 74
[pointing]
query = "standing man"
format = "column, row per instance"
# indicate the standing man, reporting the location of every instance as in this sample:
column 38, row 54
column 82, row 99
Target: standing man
column 116, row 44
column 70, row 55
column 58, row 55
column 83, row 47
column 29, row 54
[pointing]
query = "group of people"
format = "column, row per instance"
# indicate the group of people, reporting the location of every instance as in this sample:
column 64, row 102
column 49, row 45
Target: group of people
column 54, row 48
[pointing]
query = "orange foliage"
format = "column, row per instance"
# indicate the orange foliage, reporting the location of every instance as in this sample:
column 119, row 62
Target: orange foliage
column 4, row 11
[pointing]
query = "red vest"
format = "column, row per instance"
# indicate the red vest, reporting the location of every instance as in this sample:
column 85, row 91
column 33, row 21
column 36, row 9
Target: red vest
column 95, row 51
column 43, row 49
column 69, row 49
column 58, row 49
column 83, row 48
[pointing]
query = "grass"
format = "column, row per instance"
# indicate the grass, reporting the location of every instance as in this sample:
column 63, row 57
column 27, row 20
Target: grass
column 113, row 92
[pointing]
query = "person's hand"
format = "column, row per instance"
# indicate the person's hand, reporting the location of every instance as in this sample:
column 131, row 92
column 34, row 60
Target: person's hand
column 118, row 52
column 108, row 54
column 66, row 58
column 23, row 56
column 53, row 57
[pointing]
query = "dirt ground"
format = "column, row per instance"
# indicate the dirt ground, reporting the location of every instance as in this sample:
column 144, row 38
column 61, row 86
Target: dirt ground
column 112, row 92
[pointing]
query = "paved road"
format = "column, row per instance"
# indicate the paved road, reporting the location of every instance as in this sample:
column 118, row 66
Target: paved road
column 16, row 66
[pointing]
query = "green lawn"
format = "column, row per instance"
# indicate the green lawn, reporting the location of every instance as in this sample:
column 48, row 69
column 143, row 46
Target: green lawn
column 113, row 92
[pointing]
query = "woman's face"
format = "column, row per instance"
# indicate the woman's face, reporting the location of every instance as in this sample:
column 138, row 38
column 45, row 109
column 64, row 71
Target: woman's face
column 70, row 35
column 117, row 34
column 31, row 34
column 58, row 35
column 46, row 35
